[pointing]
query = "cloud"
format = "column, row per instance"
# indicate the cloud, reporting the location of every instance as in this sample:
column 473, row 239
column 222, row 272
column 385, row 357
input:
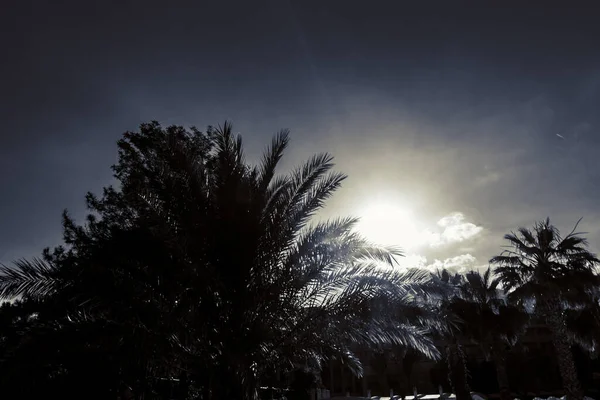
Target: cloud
column 455, row 230
column 461, row 263
column 452, row 234
column 450, row 229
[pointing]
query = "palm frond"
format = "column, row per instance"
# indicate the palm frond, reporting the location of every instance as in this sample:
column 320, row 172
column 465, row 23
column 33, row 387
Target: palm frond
column 304, row 179
column 311, row 239
column 521, row 246
column 384, row 254
column 272, row 157
column 312, row 200
column 528, row 236
column 405, row 335
column 275, row 196
column 230, row 152
column 35, row 279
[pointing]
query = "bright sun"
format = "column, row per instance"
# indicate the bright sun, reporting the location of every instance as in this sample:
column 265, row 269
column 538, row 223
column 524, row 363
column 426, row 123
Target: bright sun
column 390, row 224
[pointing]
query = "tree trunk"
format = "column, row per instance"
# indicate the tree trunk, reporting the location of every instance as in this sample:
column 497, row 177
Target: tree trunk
column 499, row 355
column 566, row 362
column 458, row 373
column 331, row 378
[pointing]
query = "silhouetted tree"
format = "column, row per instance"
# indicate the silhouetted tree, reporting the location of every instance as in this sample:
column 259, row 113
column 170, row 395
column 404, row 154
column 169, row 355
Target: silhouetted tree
column 488, row 320
column 458, row 373
column 200, row 263
column 555, row 273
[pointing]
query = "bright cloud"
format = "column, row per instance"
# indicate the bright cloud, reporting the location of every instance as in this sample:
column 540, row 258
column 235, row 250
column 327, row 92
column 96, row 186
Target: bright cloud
column 461, row 263
column 449, row 244
column 454, row 230
column 395, row 225
column 452, row 234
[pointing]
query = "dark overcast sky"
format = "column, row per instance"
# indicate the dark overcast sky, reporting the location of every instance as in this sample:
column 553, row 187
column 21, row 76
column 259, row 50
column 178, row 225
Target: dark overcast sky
column 453, row 106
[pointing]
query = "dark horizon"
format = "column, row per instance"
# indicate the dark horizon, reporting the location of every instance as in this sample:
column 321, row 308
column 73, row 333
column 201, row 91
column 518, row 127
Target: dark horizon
column 472, row 120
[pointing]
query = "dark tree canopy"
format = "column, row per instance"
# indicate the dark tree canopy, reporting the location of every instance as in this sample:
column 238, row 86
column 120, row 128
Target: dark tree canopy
column 201, row 266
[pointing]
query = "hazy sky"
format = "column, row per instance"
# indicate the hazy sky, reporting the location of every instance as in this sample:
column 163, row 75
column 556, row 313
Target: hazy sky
column 445, row 114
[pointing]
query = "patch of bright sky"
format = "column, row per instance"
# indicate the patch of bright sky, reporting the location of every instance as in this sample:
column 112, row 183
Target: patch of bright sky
column 394, row 223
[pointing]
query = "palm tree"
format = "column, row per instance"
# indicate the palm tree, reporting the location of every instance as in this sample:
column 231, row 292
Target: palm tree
column 455, row 357
column 555, row 273
column 212, row 266
column 488, row 320
column 445, row 278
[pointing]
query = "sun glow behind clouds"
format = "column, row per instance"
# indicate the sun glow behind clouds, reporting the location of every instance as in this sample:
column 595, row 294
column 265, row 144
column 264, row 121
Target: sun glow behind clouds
column 392, row 224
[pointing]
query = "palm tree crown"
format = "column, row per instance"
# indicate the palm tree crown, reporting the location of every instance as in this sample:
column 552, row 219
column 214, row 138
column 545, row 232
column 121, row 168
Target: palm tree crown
column 541, row 264
column 485, row 312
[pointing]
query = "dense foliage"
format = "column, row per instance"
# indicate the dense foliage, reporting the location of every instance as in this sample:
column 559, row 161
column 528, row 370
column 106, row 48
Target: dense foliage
column 204, row 268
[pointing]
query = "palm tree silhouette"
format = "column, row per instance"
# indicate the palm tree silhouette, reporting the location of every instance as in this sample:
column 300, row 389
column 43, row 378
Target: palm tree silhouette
column 458, row 373
column 555, row 274
column 488, row 320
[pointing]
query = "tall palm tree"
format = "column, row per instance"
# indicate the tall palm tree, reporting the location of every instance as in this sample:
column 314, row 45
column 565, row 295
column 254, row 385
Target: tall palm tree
column 458, row 373
column 555, row 273
column 488, row 320
column 213, row 267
